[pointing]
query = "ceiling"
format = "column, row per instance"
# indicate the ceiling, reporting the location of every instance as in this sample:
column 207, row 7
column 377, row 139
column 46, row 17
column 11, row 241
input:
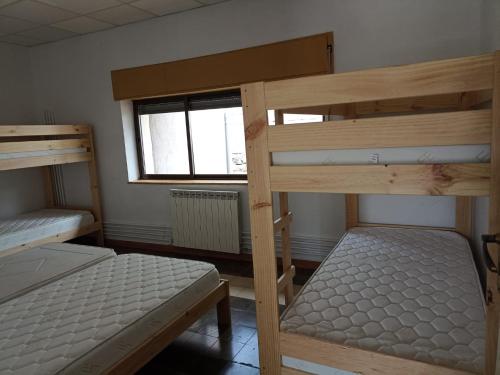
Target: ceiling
column 33, row 22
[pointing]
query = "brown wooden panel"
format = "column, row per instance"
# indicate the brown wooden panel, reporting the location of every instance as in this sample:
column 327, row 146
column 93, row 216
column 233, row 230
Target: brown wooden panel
column 292, row 58
column 424, row 179
column 430, row 78
column 437, row 129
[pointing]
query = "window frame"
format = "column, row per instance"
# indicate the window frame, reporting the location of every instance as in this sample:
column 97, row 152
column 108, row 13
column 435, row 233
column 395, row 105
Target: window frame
column 182, row 177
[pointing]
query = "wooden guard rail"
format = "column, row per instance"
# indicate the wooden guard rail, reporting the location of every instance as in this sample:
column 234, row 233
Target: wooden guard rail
column 17, row 139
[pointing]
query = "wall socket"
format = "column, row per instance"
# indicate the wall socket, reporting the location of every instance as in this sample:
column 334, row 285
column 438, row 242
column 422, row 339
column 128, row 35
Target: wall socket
column 373, row 158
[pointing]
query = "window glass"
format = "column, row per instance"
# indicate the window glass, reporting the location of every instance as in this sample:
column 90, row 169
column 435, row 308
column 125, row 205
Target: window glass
column 164, row 143
column 218, row 141
column 192, row 136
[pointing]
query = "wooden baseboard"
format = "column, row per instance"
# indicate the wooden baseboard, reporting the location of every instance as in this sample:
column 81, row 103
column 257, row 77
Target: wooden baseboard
column 162, row 249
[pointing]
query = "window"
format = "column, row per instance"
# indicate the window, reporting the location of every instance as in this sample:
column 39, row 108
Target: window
column 191, row 137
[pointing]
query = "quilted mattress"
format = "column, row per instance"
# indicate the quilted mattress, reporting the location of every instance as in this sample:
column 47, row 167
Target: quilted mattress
column 87, row 321
column 405, row 292
column 40, row 224
column 33, row 268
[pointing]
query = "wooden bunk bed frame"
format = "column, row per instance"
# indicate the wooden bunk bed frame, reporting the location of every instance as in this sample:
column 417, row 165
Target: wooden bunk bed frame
column 29, row 138
column 452, row 101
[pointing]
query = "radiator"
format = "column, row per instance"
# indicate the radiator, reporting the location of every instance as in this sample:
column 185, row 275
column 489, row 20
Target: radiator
column 204, row 219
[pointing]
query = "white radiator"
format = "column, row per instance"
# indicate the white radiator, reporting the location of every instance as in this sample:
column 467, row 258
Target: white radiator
column 204, row 219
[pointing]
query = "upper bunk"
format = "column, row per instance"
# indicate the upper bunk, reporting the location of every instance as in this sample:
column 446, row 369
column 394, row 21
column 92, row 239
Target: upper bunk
column 26, row 146
column 392, row 117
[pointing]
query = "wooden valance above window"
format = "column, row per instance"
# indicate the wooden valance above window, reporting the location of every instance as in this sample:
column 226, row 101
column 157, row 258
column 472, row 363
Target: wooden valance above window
column 287, row 59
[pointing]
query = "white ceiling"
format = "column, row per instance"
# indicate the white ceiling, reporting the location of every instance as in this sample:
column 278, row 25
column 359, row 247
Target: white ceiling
column 33, row 22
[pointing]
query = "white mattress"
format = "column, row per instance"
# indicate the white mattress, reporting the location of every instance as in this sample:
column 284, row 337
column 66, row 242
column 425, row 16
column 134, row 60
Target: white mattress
column 405, row 292
column 406, row 155
column 40, row 224
column 86, row 322
column 33, row 268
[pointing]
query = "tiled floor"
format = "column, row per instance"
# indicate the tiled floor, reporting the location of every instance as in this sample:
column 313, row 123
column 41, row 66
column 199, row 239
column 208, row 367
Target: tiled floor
column 203, row 349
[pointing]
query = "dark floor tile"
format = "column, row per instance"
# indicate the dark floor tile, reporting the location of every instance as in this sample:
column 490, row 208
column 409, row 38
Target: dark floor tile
column 198, row 343
column 212, row 366
column 239, row 369
column 249, row 355
column 242, row 304
column 238, row 333
column 225, row 349
column 245, row 318
column 253, row 341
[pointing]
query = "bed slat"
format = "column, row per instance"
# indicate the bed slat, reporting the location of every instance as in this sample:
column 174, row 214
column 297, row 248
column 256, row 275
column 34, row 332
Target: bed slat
column 424, row 179
column 35, row 130
column 56, row 144
column 40, row 161
column 429, row 78
column 437, row 129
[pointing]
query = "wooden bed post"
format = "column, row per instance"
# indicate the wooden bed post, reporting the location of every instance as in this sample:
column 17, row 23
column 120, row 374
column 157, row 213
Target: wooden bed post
column 224, row 309
column 49, row 187
column 463, row 216
column 262, row 228
column 494, row 225
column 351, row 200
column 286, row 256
column 94, row 189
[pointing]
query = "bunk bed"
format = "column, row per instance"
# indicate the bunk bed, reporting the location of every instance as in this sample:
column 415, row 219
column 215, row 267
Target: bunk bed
column 389, row 299
column 30, row 146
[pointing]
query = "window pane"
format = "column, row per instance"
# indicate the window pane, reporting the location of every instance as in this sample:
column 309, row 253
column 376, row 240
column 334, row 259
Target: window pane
column 218, row 140
column 293, row 118
column 164, row 143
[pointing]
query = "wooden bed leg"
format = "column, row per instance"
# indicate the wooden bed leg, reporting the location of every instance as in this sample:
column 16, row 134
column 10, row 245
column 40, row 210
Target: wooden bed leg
column 491, row 339
column 286, row 256
column 494, row 227
column 224, row 309
column 351, row 211
column 94, row 189
column 261, row 220
column 49, row 187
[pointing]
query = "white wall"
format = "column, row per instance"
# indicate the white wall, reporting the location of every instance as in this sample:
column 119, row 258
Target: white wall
column 20, row 190
column 72, row 79
column 490, row 25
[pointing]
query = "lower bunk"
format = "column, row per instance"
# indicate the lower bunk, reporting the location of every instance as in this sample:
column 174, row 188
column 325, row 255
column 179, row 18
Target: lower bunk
column 92, row 311
column 390, row 300
column 44, row 226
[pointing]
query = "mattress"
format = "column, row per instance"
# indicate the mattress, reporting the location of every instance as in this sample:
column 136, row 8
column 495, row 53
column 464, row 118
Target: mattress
column 404, row 292
column 23, row 272
column 86, row 322
column 40, row 224
column 406, row 155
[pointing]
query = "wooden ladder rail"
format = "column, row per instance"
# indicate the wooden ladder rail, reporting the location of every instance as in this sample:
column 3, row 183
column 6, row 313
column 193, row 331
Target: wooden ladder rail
column 285, row 282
